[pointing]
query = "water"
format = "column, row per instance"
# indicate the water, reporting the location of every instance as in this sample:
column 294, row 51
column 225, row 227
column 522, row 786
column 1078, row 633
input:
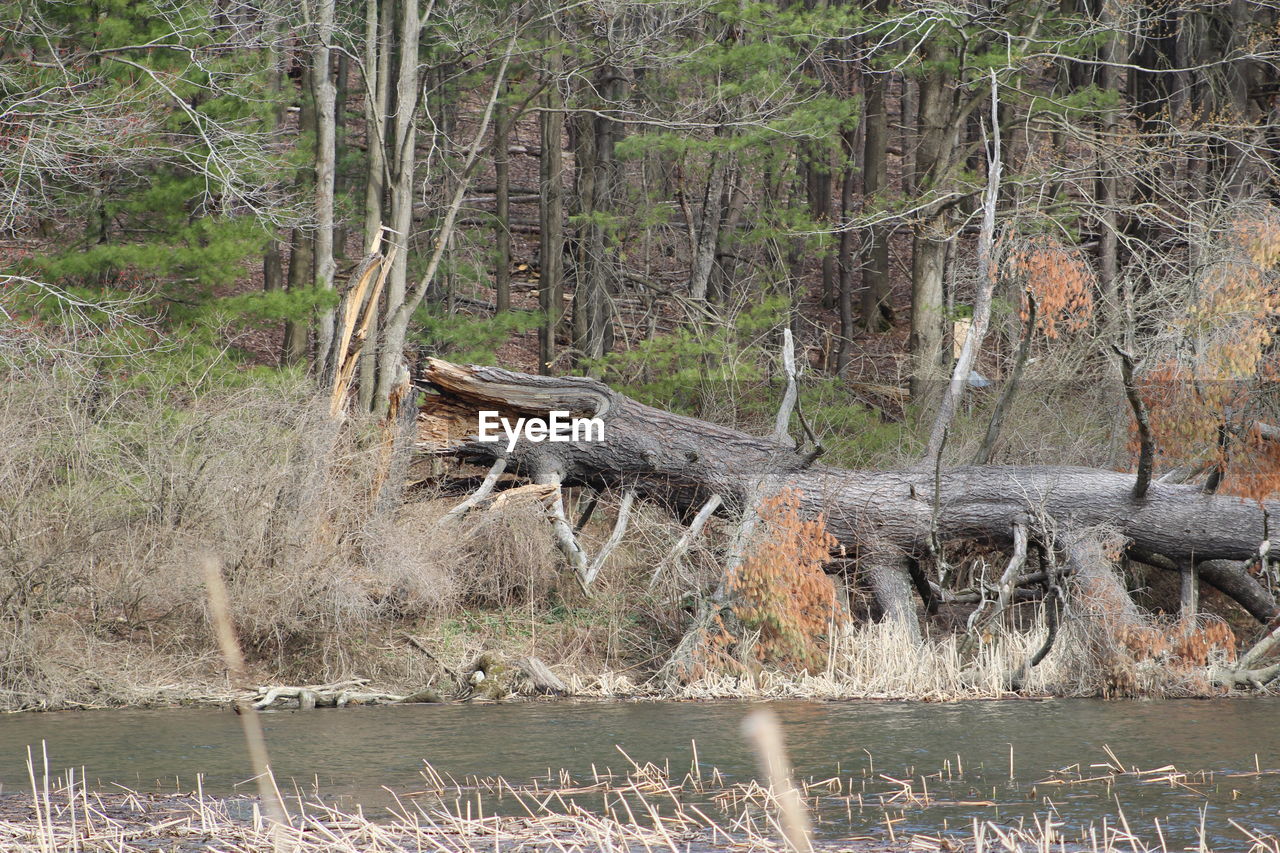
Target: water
column 359, row 754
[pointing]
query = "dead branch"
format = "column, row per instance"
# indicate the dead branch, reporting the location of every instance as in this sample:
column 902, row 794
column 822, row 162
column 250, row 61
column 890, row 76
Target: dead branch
column 686, row 539
column 495, row 471
column 1010, row 390
column 615, row 538
column 1146, row 457
column 982, row 304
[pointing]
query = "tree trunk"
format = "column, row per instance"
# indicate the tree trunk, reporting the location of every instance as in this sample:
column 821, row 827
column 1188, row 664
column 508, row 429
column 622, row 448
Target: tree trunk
column 595, row 271
column 300, row 266
column 377, row 94
column 551, row 215
column 325, row 160
column 301, row 244
column 502, row 205
column 928, row 263
column 818, row 190
column 723, row 268
column 876, row 312
column 708, row 227
column 907, row 139
column 937, row 135
column 880, row 517
column 341, row 177
column 401, row 162
column 273, row 266
column 273, row 258
column 1106, row 195
column 844, row 348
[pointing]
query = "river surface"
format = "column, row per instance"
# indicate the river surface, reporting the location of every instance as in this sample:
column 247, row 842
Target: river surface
column 960, row 753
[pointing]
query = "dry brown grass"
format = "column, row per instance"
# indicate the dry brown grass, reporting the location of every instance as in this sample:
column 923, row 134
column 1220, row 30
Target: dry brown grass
column 110, row 492
column 110, row 489
column 646, row 807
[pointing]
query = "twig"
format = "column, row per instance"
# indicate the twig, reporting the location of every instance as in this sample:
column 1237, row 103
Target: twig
column 1005, row 590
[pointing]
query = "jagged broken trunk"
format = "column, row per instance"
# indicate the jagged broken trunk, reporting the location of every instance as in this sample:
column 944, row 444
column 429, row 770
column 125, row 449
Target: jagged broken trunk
column 884, row 519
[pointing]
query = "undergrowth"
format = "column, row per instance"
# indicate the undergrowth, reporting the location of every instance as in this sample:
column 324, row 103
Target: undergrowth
column 114, row 486
column 115, row 483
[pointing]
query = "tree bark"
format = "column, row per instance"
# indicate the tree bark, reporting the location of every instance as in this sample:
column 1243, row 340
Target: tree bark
column 722, row 271
column 875, row 310
column 1106, row 189
column 502, row 207
column 936, row 131
column 325, row 160
column 551, row 215
column 596, row 270
column 680, row 462
column 844, row 348
column 401, row 162
column 301, row 244
column 377, row 95
column 273, row 258
column 341, row 176
column 708, row 237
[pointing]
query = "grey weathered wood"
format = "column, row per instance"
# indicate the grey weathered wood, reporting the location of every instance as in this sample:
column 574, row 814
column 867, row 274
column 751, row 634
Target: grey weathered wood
column 686, row 539
column 681, row 461
column 782, row 421
column 986, row 286
column 541, row 678
column 486, row 486
column 1016, row 562
column 615, row 538
column 1189, row 601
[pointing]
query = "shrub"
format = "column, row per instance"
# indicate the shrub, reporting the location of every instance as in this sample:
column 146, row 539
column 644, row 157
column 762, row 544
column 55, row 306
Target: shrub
column 780, row 588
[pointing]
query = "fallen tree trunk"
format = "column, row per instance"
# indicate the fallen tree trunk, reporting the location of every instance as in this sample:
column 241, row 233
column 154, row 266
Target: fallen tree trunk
column 881, row 517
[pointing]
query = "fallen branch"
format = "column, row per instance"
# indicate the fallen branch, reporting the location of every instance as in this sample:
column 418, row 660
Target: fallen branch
column 1230, row 577
column 495, row 471
column 540, row 677
column 1246, row 672
column 1016, row 562
column 336, row 695
column 562, row 531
